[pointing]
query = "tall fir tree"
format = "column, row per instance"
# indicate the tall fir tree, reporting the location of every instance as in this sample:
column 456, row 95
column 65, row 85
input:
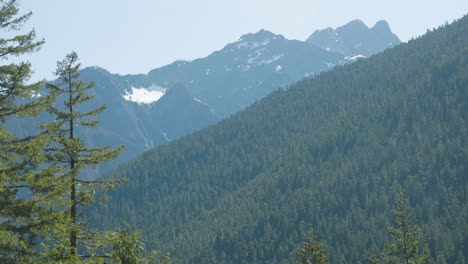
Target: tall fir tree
column 312, row 252
column 404, row 245
column 23, row 216
column 74, row 242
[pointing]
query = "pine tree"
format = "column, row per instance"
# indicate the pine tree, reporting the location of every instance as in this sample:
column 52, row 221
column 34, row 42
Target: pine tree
column 128, row 248
column 312, row 252
column 22, row 218
column 404, row 247
column 69, row 152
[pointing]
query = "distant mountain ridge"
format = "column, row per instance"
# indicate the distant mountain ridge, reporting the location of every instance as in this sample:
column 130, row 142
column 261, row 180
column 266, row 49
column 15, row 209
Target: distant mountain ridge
column 355, row 38
column 242, row 72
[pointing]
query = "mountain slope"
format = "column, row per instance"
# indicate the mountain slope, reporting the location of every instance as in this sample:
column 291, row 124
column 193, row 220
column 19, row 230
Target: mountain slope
column 328, row 154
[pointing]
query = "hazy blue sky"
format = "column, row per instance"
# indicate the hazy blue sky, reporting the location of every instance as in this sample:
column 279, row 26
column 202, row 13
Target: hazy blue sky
column 134, row 36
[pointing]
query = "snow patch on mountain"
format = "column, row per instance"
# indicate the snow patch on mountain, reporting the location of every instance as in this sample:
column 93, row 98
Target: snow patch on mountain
column 329, row 64
column 278, row 68
column 252, row 45
column 354, row 58
column 200, row 101
column 244, row 68
column 35, row 95
column 256, row 56
column 335, row 36
column 165, row 136
column 272, row 59
column 142, row 95
column 203, row 103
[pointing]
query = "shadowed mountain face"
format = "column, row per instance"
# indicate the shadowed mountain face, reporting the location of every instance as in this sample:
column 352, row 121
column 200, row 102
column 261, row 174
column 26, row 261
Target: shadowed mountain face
column 147, row 110
column 355, row 38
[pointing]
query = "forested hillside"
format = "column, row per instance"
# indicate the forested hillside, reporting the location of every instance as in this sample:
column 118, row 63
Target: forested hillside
column 329, row 154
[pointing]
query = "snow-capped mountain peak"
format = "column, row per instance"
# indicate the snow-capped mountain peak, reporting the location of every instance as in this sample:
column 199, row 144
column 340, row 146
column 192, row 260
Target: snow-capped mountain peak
column 256, row 40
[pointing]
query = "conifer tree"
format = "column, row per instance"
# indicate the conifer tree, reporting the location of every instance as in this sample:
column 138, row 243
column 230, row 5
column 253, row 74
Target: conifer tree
column 404, row 245
column 128, row 248
column 312, row 252
column 68, row 151
column 22, row 218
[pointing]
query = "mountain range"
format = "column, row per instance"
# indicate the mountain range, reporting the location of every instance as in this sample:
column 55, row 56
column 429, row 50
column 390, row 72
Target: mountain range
column 150, row 109
column 327, row 155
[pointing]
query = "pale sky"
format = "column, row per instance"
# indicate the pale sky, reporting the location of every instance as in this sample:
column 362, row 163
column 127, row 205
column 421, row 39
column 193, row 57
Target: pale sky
column 135, row 36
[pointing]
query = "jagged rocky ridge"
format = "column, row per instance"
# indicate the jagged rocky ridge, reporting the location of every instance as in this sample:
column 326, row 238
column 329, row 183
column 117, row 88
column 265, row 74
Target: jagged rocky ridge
column 355, row 38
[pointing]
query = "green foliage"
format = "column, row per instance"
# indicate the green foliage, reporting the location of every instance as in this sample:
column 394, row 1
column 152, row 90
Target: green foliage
column 404, row 247
column 312, row 252
column 128, row 248
column 328, row 154
column 21, row 220
column 68, row 154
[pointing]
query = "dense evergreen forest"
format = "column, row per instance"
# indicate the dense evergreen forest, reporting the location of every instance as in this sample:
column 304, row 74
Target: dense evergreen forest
column 328, row 154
